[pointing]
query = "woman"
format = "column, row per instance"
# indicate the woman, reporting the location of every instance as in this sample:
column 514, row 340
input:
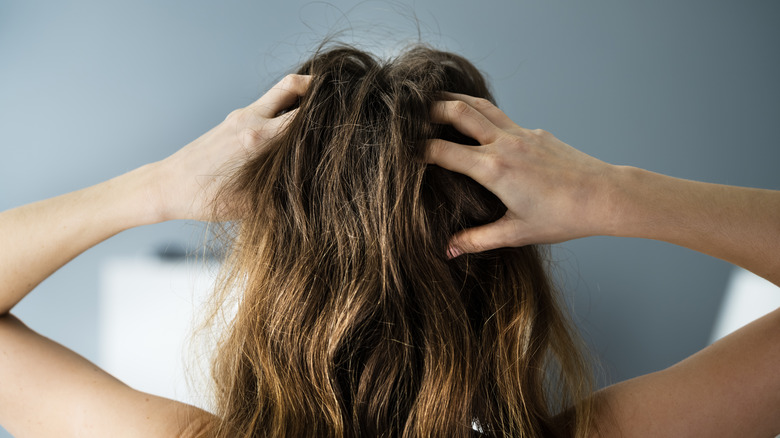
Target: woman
column 380, row 294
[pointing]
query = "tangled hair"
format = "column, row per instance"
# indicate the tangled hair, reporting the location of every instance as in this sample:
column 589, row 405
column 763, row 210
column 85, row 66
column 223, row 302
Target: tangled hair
column 351, row 320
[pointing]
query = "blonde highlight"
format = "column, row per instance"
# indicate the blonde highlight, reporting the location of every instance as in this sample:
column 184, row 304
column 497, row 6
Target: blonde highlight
column 351, row 320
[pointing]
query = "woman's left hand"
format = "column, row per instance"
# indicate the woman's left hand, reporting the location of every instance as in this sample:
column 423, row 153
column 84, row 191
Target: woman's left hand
column 189, row 179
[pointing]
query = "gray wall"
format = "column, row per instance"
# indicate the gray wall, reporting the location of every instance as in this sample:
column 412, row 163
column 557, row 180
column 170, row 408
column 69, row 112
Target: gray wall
column 92, row 89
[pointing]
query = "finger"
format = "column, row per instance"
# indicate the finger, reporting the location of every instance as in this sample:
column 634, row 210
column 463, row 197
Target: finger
column 468, row 160
column 278, row 124
column 465, row 119
column 485, row 107
column 483, row 238
column 282, row 95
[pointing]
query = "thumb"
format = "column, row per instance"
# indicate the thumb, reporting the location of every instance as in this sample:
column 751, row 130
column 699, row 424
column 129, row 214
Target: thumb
column 494, row 235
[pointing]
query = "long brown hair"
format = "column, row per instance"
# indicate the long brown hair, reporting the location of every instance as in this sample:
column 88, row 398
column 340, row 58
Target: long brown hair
column 351, row 320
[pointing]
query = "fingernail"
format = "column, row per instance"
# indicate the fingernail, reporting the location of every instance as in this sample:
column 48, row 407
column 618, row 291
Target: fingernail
column 453, row 252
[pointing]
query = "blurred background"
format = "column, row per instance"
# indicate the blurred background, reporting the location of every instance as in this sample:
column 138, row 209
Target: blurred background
column 91, row 89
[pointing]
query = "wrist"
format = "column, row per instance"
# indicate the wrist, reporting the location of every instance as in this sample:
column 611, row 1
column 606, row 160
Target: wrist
column 647, row 205
column 619, row 192
column 141, row 188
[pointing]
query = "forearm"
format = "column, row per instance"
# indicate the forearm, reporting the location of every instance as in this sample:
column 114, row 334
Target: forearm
column 37, row 239
column 737, row 224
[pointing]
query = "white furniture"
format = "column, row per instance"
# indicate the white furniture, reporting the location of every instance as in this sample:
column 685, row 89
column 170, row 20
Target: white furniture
column 148, row 308
column 748, row 297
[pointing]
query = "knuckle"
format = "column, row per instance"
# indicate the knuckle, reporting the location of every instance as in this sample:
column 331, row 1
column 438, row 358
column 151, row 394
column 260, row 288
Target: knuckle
column 293, row 82
column 464, row 241
column 474, row 244
column 493, row 166
column 249, row 136
column 235, row 115
column 459, row 107
column 288, row 81
column 516, row 142
column 540, row 132
column 434, row 148
column 482, row 103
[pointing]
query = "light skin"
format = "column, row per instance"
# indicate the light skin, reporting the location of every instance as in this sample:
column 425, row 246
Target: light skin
column 553, row 193
column 48, row 390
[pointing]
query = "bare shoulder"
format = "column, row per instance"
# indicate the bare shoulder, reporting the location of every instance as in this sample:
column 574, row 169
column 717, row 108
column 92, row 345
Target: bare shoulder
column 152, row 416
column 48, row 390
column 731, row 388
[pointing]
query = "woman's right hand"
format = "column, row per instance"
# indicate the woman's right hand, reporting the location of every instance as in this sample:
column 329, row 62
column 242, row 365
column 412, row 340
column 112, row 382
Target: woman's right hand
column 552, row 191
column 555, row 193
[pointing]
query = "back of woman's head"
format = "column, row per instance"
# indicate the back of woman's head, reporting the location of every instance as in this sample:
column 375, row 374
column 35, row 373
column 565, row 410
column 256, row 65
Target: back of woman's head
column 351, row 319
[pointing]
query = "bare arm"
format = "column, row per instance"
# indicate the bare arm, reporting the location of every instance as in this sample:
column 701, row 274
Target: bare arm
column 47, row 390
column 50, row 391
column 729, row 389
column 37, row 239
column 555, row 193
column 737, row 224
